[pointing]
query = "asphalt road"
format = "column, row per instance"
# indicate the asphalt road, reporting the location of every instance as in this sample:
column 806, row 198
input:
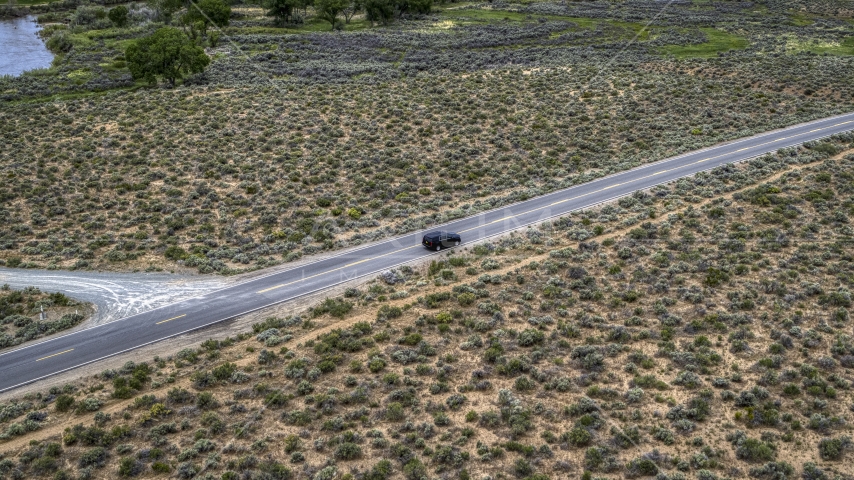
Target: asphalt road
column 115, row 295
column 40, row 360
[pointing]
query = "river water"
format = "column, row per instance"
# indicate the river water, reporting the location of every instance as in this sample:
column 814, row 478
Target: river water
column 21, row 48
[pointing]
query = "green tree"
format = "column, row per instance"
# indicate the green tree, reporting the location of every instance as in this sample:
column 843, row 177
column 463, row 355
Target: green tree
column 166, row 8
column 119, row 15
column 305, row 5
column 381, row 11
column 166, row 53
column 353, row 7
column 329, row 9
column 414, row 6
column 205, row 13
column 284, row 11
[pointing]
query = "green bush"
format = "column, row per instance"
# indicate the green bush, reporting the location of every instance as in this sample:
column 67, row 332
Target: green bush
column 642, row 467
column 333, row 306
column 522, row 467
column 128, row 467
column 64, row 403
column 833, row 448
column 380, row 471
column 95, row 457
column 118, row 15
column 715, row 277
column 524, row 384
column 530, row 337
column 752, row 449
column 577, row 437
column 376, row 364
column 395, row 412
column 206, row 401
column 276, row 399
column 388, row 312
column 175, row 253
column 348, row 451
column 466, row 299
column 224, row 372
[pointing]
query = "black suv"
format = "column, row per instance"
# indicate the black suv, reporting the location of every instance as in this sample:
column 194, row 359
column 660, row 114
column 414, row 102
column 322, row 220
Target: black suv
column 439, row 240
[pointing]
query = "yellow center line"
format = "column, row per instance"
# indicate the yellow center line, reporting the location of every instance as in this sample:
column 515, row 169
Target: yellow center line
column 641, row 178
column 271, row 288
column 366, row 259
column 540, row 208
column 776, row 140
column 55, row 354
column 570, row 199
column 335, row 269
column 577, row 197
column 170, row 319
column 517, row 214
column 561, row 201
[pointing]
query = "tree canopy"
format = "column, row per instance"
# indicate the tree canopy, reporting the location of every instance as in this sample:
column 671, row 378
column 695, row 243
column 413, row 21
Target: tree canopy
column 381, row 11
column 119, row 15
column 206, row 13
column 284, row 11
column 166, row 8
column 329, row 9
column 166, row 53
column 414, row 6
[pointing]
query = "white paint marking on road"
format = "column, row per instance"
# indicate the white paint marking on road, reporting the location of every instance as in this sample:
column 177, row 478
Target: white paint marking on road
column 335, row 269
column 611, row 175
column 768, row 143
column 769, row 133
column 322, row 288
column 648, row 176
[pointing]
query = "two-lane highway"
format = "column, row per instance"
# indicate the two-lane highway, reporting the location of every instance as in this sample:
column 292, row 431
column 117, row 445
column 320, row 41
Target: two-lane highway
column 40, row 360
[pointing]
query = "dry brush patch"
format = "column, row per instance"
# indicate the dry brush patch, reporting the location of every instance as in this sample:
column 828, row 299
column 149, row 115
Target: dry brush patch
column 696, row 338
column 299, row 143
column 21, row 311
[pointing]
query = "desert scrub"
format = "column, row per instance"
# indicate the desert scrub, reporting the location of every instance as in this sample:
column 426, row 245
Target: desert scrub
column 529, row 377
column 554, row 364
column 130, row 189
column 20, row 314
